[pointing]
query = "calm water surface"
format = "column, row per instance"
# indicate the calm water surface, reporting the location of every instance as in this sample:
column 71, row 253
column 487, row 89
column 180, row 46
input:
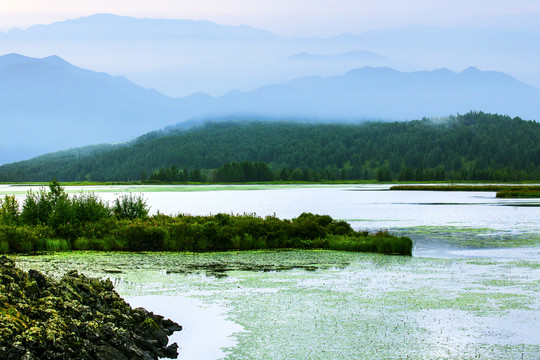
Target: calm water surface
column 365, row 206
column 471, row 290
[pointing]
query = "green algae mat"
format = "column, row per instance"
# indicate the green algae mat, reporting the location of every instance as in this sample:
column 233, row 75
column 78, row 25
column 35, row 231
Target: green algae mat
column 336, row 305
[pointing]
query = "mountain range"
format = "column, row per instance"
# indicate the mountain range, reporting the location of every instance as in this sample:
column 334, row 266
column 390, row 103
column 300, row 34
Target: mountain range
column 180, row 57
column 48, row 104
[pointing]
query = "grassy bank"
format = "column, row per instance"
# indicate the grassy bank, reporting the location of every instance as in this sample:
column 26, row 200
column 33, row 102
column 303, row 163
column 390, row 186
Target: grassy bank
column 52, row 221
column 494, row 188
column 519, row 193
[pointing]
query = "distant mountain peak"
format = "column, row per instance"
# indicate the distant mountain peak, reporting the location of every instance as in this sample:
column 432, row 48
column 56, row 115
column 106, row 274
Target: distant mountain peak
column 111, row 27
column 471, row 69
column 444, row 70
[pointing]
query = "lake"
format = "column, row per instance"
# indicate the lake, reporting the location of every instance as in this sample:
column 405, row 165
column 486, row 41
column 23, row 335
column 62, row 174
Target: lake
column 470, row 290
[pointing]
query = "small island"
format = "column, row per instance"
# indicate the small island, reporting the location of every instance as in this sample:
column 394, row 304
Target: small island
column 503, row 191
column 53, row 221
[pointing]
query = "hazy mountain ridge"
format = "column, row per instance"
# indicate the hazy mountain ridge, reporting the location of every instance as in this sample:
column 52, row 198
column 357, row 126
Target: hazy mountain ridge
column 72, row 107
column 75, row 107
column 109, row 27
column 178, row 57
column 387, row 94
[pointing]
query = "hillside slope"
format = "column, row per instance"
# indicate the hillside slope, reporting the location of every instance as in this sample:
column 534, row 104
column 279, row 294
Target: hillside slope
column 471, row 146
column 48, row 104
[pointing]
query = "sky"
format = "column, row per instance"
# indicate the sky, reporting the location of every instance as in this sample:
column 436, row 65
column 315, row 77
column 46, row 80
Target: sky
column 288, row 17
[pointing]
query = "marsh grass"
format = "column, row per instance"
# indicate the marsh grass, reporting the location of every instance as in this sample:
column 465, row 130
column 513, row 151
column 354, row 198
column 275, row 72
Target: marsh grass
column 57, row 245
column 387, row 244
column 220, row 232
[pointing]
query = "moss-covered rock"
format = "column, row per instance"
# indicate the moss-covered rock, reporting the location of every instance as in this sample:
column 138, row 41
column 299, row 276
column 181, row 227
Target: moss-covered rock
column 75, row 318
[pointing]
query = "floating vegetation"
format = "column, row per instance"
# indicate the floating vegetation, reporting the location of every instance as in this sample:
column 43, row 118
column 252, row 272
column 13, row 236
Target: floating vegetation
column 466, row 237
column 348, row 305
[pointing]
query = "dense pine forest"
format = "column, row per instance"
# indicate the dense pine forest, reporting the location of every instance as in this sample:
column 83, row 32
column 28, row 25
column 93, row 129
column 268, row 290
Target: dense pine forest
column 470, row 147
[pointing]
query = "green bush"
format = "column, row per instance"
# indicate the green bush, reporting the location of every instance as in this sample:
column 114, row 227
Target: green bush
column 9, row 210
column 36, row 208
column 130, row 207
column 90, row 208
column 4, row 247
column 82, row 243
column 141, row 237
column 340, row 228
column 62, row 214
column 178, row 239
column 20, row 239
column 99, row 229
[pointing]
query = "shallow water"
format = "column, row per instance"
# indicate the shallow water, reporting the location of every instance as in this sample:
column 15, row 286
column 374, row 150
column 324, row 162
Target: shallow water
column 207, row 331
column 471, row 289
column 370, row 207
column 345, row 306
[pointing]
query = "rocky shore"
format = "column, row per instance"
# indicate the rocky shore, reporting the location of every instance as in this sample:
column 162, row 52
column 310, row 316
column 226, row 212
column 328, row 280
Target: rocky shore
column 75, row 318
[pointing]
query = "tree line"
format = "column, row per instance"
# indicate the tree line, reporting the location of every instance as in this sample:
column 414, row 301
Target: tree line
column 473, row 146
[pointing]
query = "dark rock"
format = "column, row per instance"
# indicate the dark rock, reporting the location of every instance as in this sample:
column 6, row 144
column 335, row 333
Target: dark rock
column 169, row 351
column 107, row 352
column 39, row 277
column 75, row 318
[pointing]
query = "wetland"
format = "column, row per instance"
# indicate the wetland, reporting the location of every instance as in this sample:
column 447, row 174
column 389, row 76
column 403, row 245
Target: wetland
column 470, row 290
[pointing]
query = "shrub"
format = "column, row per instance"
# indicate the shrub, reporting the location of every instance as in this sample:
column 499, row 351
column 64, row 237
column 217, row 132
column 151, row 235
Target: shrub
column 340, row 228
column 82, row 243
column 4, row 247
column 36, row 208
column 19, row 239
column 62, row 214
column 89, row 208
column 130, row 207
column 9, row 210
column 141, row 237
column 99, row 229
column 178, row 239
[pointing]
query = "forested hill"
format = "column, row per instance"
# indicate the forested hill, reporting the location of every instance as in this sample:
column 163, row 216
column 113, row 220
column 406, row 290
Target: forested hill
column 474, row 146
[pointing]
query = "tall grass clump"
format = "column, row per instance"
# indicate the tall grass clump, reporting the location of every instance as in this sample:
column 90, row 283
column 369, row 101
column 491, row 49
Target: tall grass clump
column 57, row 245
column 381, row 242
